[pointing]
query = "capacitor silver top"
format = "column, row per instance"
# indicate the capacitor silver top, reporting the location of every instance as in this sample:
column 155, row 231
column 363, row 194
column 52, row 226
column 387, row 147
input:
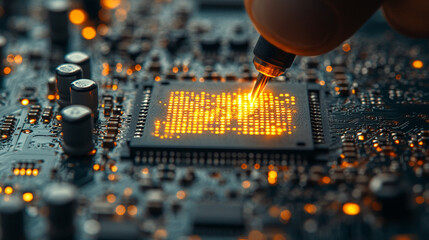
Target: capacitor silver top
column 85, row 92
column 65, row 75
column 82, row 60
column 77, row 125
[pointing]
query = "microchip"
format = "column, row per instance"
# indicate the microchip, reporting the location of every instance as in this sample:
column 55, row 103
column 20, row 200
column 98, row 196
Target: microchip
column 212, row 218
column 203, row 118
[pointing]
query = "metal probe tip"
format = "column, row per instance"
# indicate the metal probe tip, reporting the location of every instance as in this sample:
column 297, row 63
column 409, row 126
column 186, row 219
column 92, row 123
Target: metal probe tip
column 259, row 86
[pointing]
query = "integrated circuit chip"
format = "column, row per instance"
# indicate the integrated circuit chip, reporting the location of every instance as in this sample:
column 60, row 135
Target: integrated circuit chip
column 196, row 117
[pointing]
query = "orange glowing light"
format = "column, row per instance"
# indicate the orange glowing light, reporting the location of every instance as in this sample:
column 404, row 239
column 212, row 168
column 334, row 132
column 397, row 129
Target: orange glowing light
column 229, row 112
column 111, row 177
column 420, row 200
column 18, row 59
column 110, row 4
column 145, row 171
column 243, row 166
column 322, row 83
column 417, row 64
column 175, row 69
column 27, row 197
column 88, row 33
column 351, row 209
column 16, row 171
column 246, row 184
column 257, row 166
column 272, row 174
column 120, row 210
column 157, row 78
column 111, row 198
column 7, row 70
column 28, row 172
column 181, row 194
column 329, row 68
column 310, row 208
column 132, row 210
column 10, row 58
column 8, row 190
column 51, row 97
column 35, row 172
column 346, row 47
column 138, row 67
column 285, row 215
column 96, row 167
column 326, row 180
column 77, row 16
column 25, row 102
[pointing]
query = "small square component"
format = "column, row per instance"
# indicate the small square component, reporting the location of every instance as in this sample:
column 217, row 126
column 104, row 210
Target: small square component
column 219, row 116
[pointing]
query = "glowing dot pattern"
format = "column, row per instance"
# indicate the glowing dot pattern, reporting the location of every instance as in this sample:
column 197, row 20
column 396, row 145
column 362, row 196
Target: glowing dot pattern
column 225, row 113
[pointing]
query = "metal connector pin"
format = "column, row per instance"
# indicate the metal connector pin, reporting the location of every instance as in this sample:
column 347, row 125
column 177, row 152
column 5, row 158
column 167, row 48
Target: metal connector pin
column 259, row 86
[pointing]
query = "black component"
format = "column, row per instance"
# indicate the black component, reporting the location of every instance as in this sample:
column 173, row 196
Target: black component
column 77, row 126
column 219, row 219
column 82, row 60
column 114, row 230
column 176, row 38
column 392, row 194
column 58, row 22
column 221, row 4
column 299, row 143
column 239, row 42
column 12, row 219
column 210, row 43
column 273, row 55
column 61, row 199
column 3, row 42
column 65, row 75
column 85, row 92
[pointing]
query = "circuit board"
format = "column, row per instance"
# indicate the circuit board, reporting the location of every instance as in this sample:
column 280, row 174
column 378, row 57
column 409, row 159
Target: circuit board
column 168, row 144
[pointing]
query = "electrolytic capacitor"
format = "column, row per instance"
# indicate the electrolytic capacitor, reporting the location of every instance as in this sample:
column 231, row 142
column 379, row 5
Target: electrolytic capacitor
column 58, row 21
column 61, row 200
column 12, row 219
column 82, row 60
column 65, row 75
column 77, row 124
column 3, row 43
column 85, row 92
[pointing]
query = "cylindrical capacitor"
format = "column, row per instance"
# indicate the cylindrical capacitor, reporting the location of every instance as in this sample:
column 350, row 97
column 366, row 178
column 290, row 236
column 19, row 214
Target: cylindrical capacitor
column 65, row 75
column 85, row 92
column 58, row 21
column 82, row 60
column 3, row 42
column 61, row 200
column 77, row 124
column 12, row 219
